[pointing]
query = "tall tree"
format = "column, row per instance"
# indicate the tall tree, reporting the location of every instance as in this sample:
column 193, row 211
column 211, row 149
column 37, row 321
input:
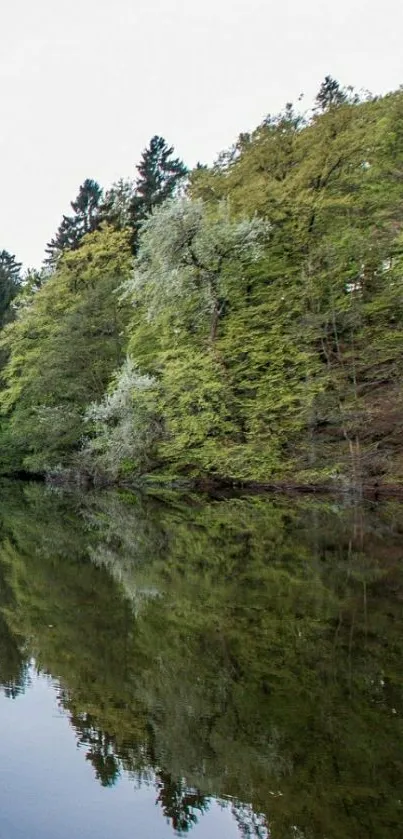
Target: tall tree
column 117, row 203
column 332, row 94
column 65, row 345
column 159, row 175
column 86, row 218
column 10, row 280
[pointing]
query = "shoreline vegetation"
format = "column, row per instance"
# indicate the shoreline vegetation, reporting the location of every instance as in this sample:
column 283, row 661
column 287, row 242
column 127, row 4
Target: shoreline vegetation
column 243, row 319
column 219, row 487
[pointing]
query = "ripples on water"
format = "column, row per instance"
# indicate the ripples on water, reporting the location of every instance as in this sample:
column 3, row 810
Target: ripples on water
column 237, row 663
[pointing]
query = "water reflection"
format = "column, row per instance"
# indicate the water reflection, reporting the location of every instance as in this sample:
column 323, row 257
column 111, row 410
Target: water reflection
column 247, row 651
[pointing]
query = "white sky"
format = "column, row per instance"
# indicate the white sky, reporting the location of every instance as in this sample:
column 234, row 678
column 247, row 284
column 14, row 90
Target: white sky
column 84, row 84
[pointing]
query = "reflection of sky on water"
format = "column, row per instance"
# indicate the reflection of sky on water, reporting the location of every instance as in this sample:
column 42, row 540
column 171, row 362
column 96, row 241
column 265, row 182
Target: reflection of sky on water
column 49, row 791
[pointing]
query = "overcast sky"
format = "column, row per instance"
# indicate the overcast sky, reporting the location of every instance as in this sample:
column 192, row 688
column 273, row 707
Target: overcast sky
column 85, row 83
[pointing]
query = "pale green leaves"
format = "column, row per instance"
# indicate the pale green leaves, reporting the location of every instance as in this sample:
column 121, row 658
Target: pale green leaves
column 185, row 248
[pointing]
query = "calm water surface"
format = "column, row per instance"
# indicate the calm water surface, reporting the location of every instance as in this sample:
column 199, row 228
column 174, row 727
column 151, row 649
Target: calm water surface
column 220, row 669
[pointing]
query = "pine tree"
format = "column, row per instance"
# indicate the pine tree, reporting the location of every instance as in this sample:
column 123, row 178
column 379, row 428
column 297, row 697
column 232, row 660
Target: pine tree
column 332, row 94
column 86, row 206
column 10, row 280
column 159, row 175
column 117, row 203
column 86, row 218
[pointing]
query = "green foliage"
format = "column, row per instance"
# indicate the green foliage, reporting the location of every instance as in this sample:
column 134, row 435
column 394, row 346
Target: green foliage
column 64, row 347
column 10, row 283
column 264, row 311
column 307, row 334
column 85, row 219
column 124, row 424
column 116, row 207
column 186, row 262
column 159, row 176
column 331, row 94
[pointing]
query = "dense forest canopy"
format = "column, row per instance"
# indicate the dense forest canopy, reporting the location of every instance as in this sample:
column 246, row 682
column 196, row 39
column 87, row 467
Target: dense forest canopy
column 242, row 320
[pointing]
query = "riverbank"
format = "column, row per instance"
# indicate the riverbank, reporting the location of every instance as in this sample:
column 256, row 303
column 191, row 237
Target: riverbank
column 218, row 486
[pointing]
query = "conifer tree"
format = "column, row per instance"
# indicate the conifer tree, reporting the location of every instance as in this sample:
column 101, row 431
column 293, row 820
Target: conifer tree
column 117, row 204
column 10, row 280
column 85, row 219
column 331, row 94
column 159, row 175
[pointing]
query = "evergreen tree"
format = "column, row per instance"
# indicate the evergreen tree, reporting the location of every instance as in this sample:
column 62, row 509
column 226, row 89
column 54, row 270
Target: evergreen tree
column 331, row 94
column 86, row 206
column 86, row 218
column 159, row 175
column 117, row 203
column 10, row 280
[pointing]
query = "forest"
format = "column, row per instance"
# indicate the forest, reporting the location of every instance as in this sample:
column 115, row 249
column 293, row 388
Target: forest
column 238, row 322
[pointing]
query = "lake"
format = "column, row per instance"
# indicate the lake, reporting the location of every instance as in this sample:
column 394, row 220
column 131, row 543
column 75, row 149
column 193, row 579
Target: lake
column 218, row 668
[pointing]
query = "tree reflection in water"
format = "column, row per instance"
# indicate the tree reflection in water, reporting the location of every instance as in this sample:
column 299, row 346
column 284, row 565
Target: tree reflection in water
column 244, row 650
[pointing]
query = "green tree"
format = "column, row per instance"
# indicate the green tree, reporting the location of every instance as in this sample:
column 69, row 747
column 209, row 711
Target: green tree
column 159, row 176
column 85, row 219
column 10, row 284
column 64, row 348
column 317, row 369
column 261, row 325
column 331, row 94
column 116, row 206
column 186, row 263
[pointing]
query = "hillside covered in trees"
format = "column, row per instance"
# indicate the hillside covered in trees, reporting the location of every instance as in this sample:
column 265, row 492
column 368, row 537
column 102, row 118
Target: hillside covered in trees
column 240, row 321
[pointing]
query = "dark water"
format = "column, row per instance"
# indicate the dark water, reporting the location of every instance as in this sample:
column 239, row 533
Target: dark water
column 214, row 668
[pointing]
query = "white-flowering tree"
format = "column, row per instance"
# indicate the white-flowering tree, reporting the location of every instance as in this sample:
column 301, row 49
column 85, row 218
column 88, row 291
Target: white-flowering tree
column 124, row 423
column 185, row 250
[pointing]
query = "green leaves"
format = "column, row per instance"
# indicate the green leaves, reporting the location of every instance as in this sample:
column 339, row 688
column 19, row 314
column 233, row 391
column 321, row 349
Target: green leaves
column 64, row 347
column 261, row 319
column 184, row 253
